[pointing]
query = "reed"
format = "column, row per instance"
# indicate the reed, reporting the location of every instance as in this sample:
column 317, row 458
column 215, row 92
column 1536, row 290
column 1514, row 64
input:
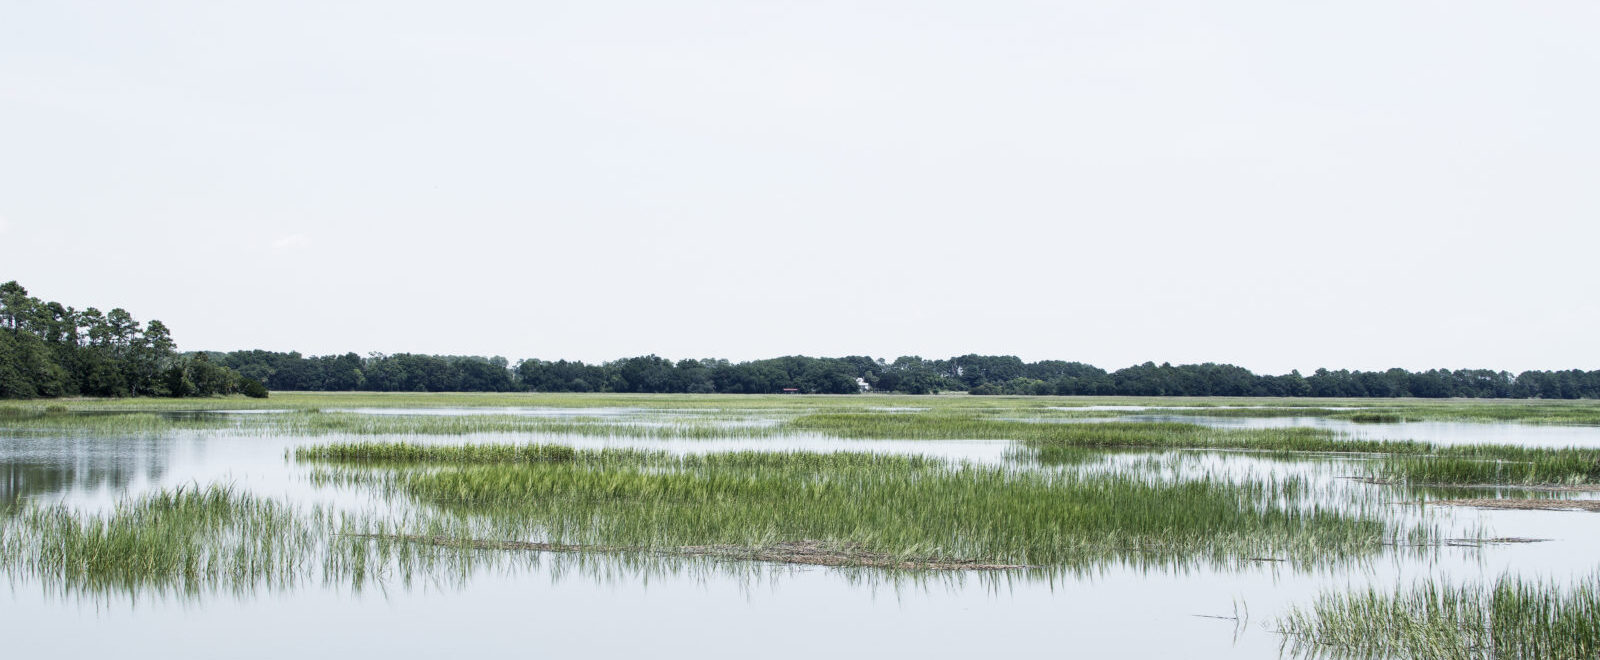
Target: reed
column 1538, row 411
column 185, row 540
column 329, row 423
column 898, row 506
column 39, row 422
column 1496, row 465
column 1044, row 436
column 1510, row 618
column 406, row 453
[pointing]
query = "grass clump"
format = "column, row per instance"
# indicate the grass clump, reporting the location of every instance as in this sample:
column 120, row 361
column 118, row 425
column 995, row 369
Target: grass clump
column 55, row 420
column 1375, row 418
column 1496, row 465
column 1045, row 436
column 1511, row 618
column 403, row 452
column 186, row 539
column 895, row 506
column 326, row 423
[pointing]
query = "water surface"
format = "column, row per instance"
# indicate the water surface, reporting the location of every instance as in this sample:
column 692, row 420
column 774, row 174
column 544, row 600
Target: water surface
column 555, row 606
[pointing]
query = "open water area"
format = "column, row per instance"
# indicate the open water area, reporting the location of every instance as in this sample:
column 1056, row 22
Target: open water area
column 555, row 605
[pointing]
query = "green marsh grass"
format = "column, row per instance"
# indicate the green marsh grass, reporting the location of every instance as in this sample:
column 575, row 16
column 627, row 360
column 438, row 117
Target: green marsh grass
column 1045, row 436
column 1064, row 443
column 1496, row 465
column 1046, row 441
column 715, row 416
column 187, row 540
column 327, row 423
column 37, row 422
column 308, row 423
column 1511, row 618
column 909, row 507
column 402, row 452
column 1538, row 411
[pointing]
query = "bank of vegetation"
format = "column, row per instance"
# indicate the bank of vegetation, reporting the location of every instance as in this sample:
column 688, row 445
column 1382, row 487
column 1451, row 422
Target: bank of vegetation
column 912, row 508
column 50, row 350
column 977, row 374
column 1512, row 617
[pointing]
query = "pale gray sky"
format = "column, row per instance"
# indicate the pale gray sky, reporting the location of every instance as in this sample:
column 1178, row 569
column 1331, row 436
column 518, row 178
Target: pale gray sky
column 1278, row 185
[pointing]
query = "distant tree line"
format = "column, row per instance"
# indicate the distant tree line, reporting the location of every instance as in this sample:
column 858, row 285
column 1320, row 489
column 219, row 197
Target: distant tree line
column 978, row 374
column 406, row 372
column 48, row 349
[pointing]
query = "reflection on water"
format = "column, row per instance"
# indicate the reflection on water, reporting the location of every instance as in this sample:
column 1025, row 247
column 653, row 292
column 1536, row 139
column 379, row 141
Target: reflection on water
column 627, row 605
column 42, row 467
column 1441, row 433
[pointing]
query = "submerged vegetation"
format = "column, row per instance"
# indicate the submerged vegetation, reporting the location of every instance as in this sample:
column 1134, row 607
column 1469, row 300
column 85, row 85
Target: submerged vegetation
column 1510, row 618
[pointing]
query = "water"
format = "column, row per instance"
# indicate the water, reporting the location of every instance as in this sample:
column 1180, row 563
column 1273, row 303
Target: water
column 596, row 609
column 1442, row 433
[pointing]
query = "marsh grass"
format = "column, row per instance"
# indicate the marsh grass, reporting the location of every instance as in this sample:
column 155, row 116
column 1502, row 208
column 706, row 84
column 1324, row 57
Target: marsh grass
column 1497, row 465
column 39, row 422
column 1405, row 461
column 906, row 507
column 406, row 453
column 193, row 542
column 317, row 423
column 1536, row 411
column 1046, row 437
column 183, row 540
column 1511, row 618
column 1374, row 418
column 327, row 423
column 1246, row 411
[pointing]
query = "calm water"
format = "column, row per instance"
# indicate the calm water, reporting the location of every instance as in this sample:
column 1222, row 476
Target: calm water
column 1444, row 433
column 555, row 609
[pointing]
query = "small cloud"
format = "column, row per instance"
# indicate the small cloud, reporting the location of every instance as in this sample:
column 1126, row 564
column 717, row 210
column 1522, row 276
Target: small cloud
column 290, row 241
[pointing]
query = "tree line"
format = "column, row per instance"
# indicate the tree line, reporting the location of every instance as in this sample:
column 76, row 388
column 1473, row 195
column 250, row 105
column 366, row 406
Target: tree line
column 977, row 374
column 407, row 372
column 48, row 350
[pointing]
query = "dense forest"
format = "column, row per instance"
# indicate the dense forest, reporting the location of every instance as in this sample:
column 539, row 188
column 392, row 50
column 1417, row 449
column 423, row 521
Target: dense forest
column 978, row 374
column 48, row 349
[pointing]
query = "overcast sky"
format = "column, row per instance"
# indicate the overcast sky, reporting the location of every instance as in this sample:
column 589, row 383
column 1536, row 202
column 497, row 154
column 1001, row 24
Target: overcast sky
column 1274, row 184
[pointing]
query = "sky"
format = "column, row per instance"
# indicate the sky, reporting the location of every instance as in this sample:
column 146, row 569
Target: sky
column 1277, row 185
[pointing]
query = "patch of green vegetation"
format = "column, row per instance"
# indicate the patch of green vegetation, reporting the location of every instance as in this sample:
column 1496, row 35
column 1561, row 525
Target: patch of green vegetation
column 1578, row 411
column 186, row 540
column 1512, row 618
column 1045, row 436
column 1496, row 464
column 700, row 426
column 59, row 422
column 1526, row 411
column 403, row 452
column 1259, row 412
column 1374, row 418
column 314, row 423
column 897, row 506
